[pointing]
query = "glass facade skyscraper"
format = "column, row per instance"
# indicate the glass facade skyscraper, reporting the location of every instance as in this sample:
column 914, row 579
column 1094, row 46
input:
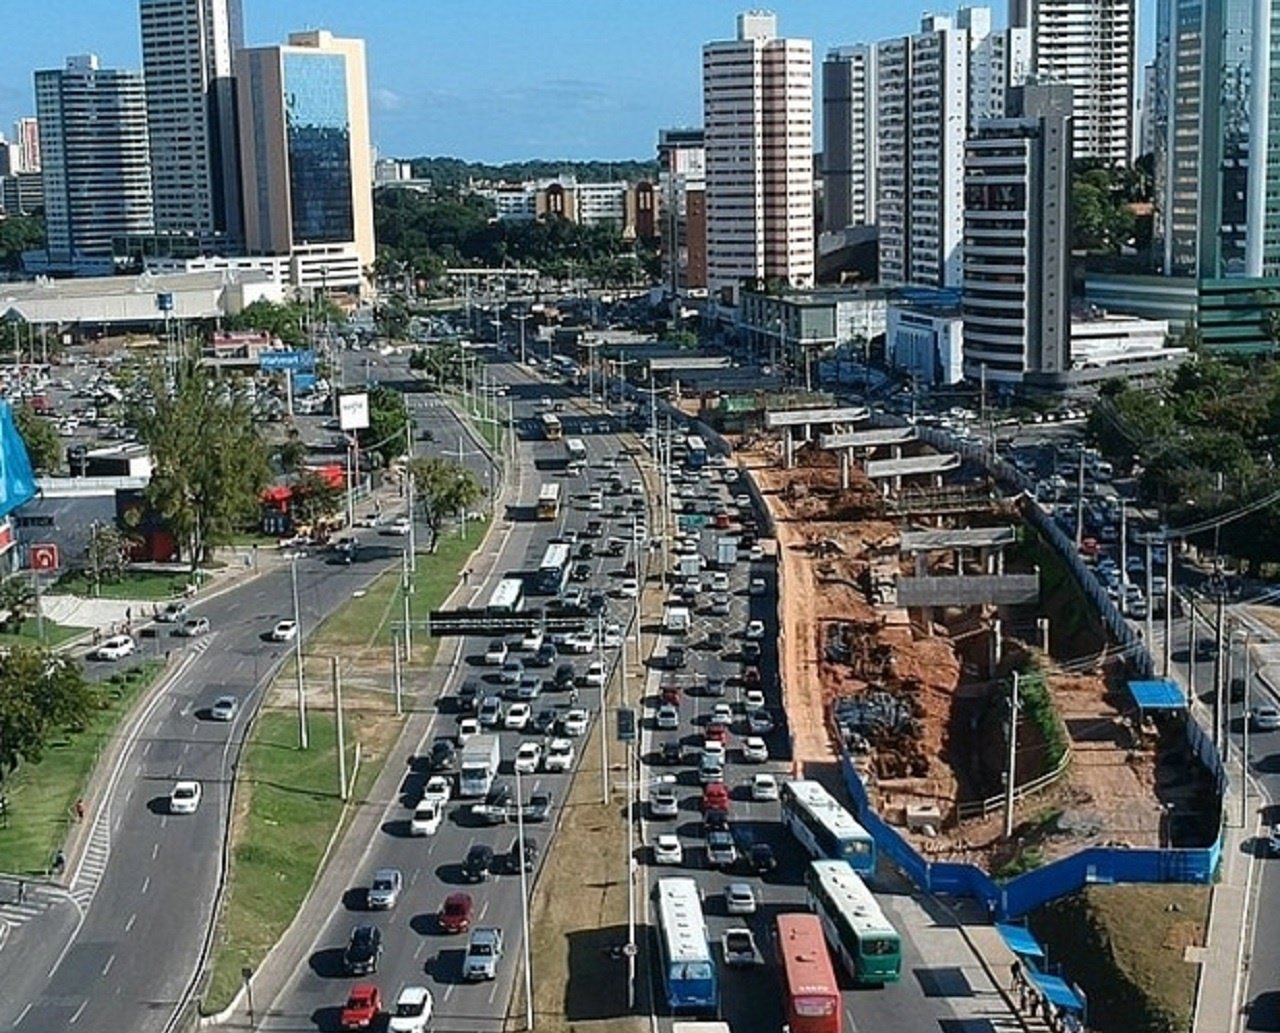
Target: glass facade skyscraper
column 318, row 140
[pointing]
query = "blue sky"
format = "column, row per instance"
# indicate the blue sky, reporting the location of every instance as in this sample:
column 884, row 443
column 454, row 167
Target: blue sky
column 485, row 80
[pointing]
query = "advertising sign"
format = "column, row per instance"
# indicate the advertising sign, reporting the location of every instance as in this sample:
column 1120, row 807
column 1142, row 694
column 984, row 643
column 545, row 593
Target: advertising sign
column 272, row 362
column 304, row 381
column 44, row 556
column 353, row 411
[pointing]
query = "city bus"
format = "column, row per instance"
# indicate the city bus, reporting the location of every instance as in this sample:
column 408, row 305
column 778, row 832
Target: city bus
column 825, row 828
column 810, row 991
column 575, row 451
column 551, row 426
column 684, row 952
column 549, row 501
column 553, row 571
column 862, row 938
column 695, row 454
column 508, row 597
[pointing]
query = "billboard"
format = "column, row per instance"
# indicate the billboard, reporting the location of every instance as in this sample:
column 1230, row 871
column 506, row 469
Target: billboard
column 17, row 481
column 272, row 362
column 353, row 411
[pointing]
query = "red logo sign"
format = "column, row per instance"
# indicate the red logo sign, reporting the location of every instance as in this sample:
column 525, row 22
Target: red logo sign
column 44, row 556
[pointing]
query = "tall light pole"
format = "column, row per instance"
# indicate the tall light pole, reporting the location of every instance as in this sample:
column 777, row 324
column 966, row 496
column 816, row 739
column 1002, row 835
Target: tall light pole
column 303, row 741
column 522, row 320
column 524, row 907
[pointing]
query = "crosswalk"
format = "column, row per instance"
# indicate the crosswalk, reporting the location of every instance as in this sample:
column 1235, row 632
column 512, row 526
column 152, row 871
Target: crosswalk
column 36, row 899
column 93, row 861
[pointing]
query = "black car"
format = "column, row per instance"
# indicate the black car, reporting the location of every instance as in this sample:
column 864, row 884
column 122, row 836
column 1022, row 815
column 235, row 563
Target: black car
column 762, row 859
column 530, row 855
column 544, row 721
column 750, row 652
column 586, row 551
column 715, row 640
column 596, row 603
column 581, row 572
column 443, row 754
column 544, row 657
column 672, row 752
column 675, row 657
column 363, row 952
column 715, row 818
column 499, row 795
column 539, row 807
column 565, row 676
column 478, row 863
column 469, row 694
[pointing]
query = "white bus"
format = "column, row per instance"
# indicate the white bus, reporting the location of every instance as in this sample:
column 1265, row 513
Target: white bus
column 551, row 426
column 866, row 942
column 553, row 571
column 824, row 827
column 576, row 451
column 549, row 501
column 508, row 597
column 688, row 968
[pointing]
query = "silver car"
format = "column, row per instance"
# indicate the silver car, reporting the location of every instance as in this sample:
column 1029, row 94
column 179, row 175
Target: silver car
column 384, row 891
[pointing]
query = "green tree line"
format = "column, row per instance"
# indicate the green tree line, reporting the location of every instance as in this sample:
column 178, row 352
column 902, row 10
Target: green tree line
column 452, row 173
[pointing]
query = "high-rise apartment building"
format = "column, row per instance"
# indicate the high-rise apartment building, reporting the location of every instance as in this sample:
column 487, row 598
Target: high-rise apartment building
column 188, row 50
column 757, row 98
column 1216, row 139
column 930, row 88
column 26, row 140
column 682, row 187
column 1091, row 45
column 306, row 157
column 94, row 160
column 1017, row 248
column 849, row 137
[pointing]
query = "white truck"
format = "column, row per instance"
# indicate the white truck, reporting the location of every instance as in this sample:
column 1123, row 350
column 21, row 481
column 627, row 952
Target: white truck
column 480, row 758
column 676, row 619
column 726, row 553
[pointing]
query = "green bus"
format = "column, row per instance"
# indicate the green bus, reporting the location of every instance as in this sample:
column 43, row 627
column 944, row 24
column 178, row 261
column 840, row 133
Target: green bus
column 857, row 931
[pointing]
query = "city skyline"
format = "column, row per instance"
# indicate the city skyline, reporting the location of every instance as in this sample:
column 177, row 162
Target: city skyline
column 539, row 98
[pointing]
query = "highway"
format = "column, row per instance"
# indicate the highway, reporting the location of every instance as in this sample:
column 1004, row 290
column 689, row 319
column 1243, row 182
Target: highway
column 415, row 951
column 118, row 954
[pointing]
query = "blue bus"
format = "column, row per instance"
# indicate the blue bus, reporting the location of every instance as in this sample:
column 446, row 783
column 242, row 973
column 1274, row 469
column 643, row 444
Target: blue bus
column 695, row 452
column 824, row 828
column 553, row 571
column 688, row 968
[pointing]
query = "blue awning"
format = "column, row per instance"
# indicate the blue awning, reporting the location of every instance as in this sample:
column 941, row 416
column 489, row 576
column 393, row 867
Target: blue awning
column 1056, row 991
column 1019, row 940
column 1158, row 694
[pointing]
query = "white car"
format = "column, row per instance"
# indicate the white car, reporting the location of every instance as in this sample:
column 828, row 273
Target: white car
column 754, row 630
column 756, row 586
column 668, row 717
column 559, row 756
column 630, row 588
column 753, row 699
column 723, row 713
column 611, row 638
column 117, row 647
column 496, row 654
column 667, row 850
column 426, row 818
column 172, row 613
column 185, row 798
column 532, row 640
column 284, row 631
column 412, row 1011
column 664, row 802
column 579, row 642
column 528, row 757
column 438, row 788
column 740, row 898
column 755, row 553
column 713, row 749
column 1265, row 717
column 754, row 750
column 518, row 716
column 595, row 674
column 467, row 728
column 764, row 788
column 574, row 722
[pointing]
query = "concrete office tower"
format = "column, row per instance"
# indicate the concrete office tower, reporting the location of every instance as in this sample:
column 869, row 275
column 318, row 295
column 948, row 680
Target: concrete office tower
column 1092, row 45
column 757, row 98
column 94, row 160
column 849, row 138
column 188, row 49
column 306, row 157
column 26, row 138
column 929, row 89
column 682, row 184
column 1217, row 138
column 1017, row 226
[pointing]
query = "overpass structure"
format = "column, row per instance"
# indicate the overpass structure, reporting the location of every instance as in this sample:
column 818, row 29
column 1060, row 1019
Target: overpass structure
column 848, row 442
column 891, row 471
column 788, row 419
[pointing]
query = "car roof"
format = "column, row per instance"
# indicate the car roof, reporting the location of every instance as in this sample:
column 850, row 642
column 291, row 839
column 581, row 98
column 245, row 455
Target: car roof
column 413, row 995
column 186, row 784
column 363, row 990
column 461, row 899
column 386, row 873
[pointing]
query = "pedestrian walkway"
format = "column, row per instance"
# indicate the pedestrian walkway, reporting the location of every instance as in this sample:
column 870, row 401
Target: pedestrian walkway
column 24, row 901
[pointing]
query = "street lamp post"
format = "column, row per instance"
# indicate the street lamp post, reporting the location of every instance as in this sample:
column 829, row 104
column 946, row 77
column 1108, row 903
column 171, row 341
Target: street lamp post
column 303, row 742
column 524, row 908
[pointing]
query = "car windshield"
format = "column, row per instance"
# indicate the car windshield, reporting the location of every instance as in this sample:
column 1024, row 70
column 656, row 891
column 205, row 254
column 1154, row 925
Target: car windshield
column 382, row 884
column 410, row 1009
column 482, row 950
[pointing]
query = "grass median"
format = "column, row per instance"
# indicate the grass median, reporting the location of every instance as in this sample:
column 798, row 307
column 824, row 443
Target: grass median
column 287, row 806
column 29, row 634
column 41, row 796
column 158, row 585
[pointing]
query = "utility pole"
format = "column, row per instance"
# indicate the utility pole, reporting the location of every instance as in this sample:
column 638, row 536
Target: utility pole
column 406, row 586
column 1151, row 603
column 337, row 713
column 397, row 676
column 1191, row 650
column 1219, row 713
column 604, row 729
column 303, row 741
column 1244, row 739
column 1011, row 771
column 1080, row 510
column 1168, row 609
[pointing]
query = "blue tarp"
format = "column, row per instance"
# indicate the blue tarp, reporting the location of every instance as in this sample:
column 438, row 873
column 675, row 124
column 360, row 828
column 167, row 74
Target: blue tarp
column 1056, row 991
column 17, row 482
column 1158, row 694
column 1019, row 940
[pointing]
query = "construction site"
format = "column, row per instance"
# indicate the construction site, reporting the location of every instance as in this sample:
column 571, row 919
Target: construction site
column 910, row 592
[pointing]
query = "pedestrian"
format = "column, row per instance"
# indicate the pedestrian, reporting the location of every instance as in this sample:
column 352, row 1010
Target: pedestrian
column 573, row 696
column 1035, row 1004
column 22, row 891
column 80, row 809
column 128, row 613
column 59, row 862
column 97, row 636
column 1022, row 997
column 1016, row 971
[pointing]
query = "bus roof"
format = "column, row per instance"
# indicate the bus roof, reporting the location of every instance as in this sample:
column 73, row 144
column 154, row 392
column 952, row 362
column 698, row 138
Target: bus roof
column 821, row 804
column 509, row 590
column 549, row 491
column 680, row 920
column 557, row 555
column 802, row 949
column 550, row 417
column 850, row 893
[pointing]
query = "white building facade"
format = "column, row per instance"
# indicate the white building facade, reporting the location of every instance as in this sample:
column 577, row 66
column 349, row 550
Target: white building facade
column 757, row 94
column 927, row 343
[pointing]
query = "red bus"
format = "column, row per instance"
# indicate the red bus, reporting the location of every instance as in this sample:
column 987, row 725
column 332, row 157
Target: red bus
column 808, row 980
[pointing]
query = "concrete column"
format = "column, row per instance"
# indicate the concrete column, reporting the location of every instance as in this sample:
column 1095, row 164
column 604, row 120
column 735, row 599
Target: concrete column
column 922, row 564
column 1043, row 624
column 1000, row 562
column 997, row 644
column 845, row 460
column 788, row 449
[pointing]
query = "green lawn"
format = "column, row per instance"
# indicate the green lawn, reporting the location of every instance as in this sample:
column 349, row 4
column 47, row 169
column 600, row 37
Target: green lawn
column 41, row 796
column 371, row 620
column 134, row 585
column 293, row 806
column 27, row 634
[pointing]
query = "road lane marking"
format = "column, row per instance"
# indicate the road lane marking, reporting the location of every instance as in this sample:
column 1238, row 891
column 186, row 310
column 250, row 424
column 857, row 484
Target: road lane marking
column 129, row 924
column 79, row 1011
column 23, row 1014
column 107, row 967
column 155, row 849
column 448, row 991
column 146, row 884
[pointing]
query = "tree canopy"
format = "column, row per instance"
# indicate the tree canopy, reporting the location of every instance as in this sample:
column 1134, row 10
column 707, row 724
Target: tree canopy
column 442, row 489
column 452, row 173
column 44, row 448
column 19, row 233
column 42, row 695
column 385, row 436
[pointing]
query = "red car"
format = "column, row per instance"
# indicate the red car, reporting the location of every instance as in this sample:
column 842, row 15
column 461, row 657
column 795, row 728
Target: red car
column 718, row 731
column 715, row 796
column 751, row 677
column 363, row 1006
column 671, row 693
column 455, row 916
